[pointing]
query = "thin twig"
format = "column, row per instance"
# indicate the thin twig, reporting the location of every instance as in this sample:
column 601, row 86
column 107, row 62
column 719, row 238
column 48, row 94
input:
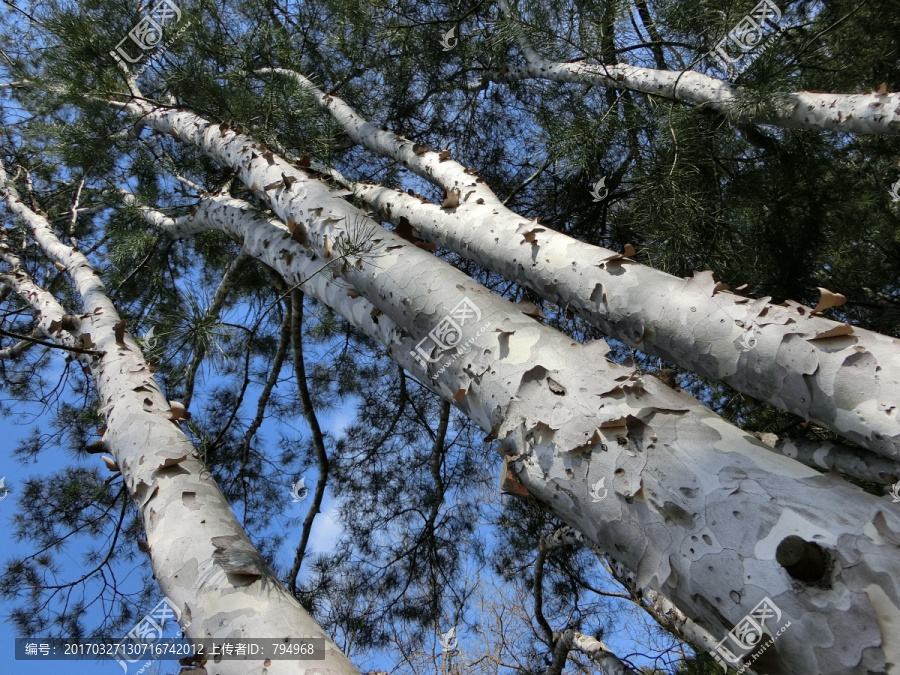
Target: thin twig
column 77, row 350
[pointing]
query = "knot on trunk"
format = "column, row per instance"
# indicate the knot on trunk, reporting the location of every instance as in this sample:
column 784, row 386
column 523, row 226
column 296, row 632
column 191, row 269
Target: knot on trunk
column 804, row 560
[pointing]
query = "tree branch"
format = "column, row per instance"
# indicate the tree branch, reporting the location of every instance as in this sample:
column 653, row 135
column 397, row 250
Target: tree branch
column 874, row 113
column 318, row 438
column 218, row 302
column 19, row 348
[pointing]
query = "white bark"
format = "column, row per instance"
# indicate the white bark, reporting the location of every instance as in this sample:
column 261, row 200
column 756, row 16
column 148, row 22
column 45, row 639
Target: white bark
column 15, row 350
column 660, row 608
column 834, row 456
column 845, row 378
column 873, row 113
column 598, row 652
column 201, row 557
column 848, row 113
column 239, row 220
column 36, row 297
column 696, row 506
column 269, row 241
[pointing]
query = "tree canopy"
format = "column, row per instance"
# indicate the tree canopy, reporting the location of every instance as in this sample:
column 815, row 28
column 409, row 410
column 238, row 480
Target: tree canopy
column 280, row 386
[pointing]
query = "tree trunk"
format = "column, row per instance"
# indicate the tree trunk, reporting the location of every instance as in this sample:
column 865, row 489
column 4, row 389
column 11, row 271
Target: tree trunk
column 203, row 561
column 848, row 113
column 845, row 378
column 599, row 653
column 702, row 511
column 849, row 461
column 875, row 113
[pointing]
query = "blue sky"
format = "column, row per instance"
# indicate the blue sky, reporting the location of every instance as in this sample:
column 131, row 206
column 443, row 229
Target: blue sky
column 325, row 531
column 324, row 535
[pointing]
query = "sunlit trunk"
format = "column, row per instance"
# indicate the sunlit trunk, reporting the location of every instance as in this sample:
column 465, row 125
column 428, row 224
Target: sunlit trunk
column 846, row 379
column 701, row 511
column 203, row 561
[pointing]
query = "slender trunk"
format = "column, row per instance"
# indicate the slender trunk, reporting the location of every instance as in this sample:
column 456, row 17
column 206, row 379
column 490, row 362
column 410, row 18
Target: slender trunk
column 849, row 461
column 317, row 437
column 874, row 113
column 848, row 113
column 702, row 511
column 266, row 393
column 559, row 656
column 599, row 653
column 845, row 378
column 202, row 559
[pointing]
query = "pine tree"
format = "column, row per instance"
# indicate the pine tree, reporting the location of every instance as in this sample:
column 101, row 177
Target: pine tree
column 234, row 165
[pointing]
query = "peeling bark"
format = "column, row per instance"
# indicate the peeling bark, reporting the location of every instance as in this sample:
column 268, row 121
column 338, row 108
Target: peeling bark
column 598, row 652
column 874, row 113
column 201, row 557
column 841, row 377
column 16, row 350
column 699, row 509
column 846, row 460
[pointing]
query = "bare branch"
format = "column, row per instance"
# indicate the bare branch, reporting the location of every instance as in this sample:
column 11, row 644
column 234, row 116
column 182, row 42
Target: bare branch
column 318, row 438
column 27, row 339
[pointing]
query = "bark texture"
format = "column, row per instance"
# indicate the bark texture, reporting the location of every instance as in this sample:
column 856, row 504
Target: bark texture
column 201, row 557
column 599, row 653
column 702, row 512
column 845, row 378
column 846, row 460
column 874, row 113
